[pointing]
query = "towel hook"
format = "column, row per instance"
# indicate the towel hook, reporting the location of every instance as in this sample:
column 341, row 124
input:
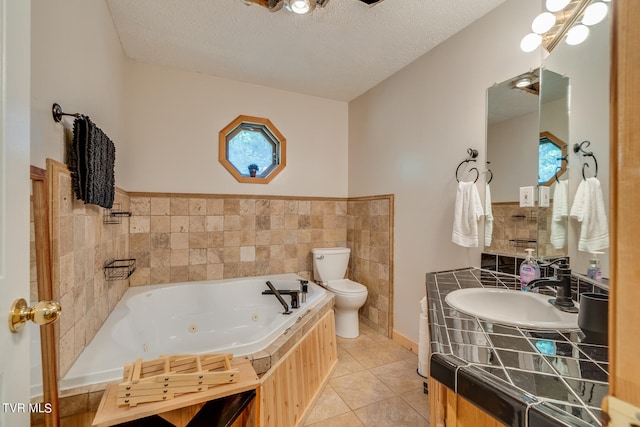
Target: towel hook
column 579, row 148
column 490, row 173
column 56, row 111
column 472, row 158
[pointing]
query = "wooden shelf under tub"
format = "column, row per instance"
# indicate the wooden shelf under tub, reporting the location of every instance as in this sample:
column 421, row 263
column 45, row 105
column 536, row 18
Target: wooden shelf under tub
column 180, row 410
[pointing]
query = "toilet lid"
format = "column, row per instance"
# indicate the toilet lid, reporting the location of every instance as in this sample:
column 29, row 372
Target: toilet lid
column 346, row 286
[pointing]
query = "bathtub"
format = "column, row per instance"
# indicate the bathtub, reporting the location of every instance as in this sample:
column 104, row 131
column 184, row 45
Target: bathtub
column 221, row 316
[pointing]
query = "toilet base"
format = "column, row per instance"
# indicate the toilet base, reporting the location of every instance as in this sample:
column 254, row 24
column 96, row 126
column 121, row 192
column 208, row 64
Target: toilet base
column 347, row 323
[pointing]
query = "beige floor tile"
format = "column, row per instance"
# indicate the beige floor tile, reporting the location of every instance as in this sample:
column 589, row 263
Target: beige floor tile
column 345, row 420
column 329, row 405
column 398, row 376
column 360, row 389
column 393, row 412
column 418, row 401
column 346, row 364
column 375, row 354
column 348, row 343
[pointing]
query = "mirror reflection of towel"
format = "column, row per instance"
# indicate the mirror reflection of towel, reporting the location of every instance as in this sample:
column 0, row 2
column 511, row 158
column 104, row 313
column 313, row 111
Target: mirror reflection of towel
column 488, row 217
column 91, row 163
column 588, row 208
column 467, row 213
column 559, row 214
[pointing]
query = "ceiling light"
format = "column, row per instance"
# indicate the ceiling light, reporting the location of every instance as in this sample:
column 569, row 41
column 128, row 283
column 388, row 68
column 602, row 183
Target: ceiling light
column 530, row 42
column 543, row 22
column 595, row 13
column 523, row 82
column 556, row 5
column 299, row 6
column 577, row 34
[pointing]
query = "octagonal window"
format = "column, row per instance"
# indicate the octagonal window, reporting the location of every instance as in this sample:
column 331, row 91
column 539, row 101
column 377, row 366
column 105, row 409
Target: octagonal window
column 551, row 158
column 252, row 149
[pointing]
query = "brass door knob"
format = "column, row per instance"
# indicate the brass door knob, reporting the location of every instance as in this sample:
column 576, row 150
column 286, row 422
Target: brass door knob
column 42, row 313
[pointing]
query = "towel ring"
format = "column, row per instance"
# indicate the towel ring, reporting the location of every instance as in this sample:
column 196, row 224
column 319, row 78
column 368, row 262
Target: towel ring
column 472, row 169
column 578, row 148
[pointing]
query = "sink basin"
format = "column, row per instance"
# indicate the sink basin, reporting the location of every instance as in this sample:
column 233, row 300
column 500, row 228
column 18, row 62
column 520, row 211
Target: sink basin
column 510, row 307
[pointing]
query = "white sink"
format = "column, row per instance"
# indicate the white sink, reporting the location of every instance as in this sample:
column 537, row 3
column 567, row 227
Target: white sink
column 510, row 307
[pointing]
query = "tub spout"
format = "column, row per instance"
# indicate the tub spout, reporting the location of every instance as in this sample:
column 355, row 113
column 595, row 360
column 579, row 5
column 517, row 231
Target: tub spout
column 277, row 294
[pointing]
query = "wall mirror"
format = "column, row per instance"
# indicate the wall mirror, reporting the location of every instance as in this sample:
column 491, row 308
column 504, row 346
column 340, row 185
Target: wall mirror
column 527, row 130
column 568, row 97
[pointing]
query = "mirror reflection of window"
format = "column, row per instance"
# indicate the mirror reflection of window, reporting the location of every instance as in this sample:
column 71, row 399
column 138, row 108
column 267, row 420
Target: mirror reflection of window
column 551, row 158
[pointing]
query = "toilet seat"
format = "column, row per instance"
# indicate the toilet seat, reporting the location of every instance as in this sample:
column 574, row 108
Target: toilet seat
column 346, row 287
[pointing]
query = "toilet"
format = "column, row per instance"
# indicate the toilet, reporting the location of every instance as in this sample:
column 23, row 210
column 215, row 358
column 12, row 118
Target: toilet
column 329, row 267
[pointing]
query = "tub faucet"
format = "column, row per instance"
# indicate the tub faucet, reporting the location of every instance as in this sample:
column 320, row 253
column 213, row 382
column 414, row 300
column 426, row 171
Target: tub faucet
column 304, row 288
column 273, row 291
column 562, row 281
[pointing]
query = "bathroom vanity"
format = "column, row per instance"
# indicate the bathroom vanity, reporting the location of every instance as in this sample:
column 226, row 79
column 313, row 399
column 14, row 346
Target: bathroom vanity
column 490, row 374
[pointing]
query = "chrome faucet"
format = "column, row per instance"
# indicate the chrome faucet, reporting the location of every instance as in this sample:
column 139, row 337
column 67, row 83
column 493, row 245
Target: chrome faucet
column 562, row 281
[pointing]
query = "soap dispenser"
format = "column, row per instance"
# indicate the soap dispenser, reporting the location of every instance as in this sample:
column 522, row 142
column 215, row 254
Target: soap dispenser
column 529, row 270
column 594, row 272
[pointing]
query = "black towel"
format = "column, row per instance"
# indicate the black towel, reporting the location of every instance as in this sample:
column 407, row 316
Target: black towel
column 91, row 163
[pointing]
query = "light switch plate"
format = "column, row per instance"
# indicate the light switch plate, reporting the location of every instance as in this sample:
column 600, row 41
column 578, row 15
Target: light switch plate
column 543, row 196
column 527, row 198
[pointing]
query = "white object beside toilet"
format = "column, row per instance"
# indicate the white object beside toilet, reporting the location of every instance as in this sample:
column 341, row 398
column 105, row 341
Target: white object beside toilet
column 329, row 267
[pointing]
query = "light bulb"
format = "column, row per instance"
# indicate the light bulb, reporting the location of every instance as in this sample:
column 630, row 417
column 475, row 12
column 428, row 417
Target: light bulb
column 523, row 82
column 595, row 13
column 530, row 42
column 298, row 6
column 543, row 22
column 577, row 34
column 556, row 5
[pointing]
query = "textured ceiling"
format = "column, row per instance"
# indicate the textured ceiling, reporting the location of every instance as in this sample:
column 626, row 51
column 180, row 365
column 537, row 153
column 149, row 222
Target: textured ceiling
column 336, row 52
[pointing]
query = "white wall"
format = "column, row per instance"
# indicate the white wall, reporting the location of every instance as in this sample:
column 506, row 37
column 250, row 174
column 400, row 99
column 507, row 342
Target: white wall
column 408, row 134
column 173, row 120
column 76, row 61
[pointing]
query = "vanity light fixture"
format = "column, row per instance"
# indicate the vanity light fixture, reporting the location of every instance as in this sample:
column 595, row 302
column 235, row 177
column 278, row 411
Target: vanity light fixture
column 564, row 19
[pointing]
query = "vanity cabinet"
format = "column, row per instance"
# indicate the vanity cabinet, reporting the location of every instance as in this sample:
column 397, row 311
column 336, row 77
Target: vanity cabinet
column 449, row 409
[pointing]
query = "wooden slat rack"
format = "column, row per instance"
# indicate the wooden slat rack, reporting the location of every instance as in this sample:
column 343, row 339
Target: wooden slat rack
column 180, row 409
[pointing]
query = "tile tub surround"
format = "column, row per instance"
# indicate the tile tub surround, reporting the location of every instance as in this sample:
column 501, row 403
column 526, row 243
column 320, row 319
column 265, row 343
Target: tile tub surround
column 80, row 244
column 189, row 237
column 503, row 369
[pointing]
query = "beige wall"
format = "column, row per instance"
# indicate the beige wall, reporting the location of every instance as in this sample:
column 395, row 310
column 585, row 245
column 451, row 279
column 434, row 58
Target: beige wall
column 408, row 134
column 76, row 61
column 173, row 120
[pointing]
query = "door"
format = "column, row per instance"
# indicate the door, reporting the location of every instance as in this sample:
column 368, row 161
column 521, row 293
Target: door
column 15, row 52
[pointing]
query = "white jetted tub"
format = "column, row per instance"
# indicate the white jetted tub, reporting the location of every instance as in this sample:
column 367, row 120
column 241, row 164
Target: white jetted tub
column 221, row 316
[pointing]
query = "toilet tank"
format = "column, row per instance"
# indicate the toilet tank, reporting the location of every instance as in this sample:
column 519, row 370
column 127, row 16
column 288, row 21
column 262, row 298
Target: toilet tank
column 330, row 263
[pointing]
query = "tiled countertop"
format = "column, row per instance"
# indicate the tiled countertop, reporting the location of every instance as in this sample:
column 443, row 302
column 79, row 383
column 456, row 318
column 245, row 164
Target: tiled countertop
column 520, row 376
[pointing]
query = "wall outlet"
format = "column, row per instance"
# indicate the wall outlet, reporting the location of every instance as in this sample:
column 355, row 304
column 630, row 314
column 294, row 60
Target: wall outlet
column 527, row 199
column 543, row 196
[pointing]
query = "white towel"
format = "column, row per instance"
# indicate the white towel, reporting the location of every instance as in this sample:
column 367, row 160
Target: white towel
column 559, row 214
column 588, row 208
column 488, row 217
column 467, row 212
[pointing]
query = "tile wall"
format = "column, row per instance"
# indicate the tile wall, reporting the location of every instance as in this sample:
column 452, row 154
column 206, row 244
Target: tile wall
column 81, row 243
column 180, row 237
column 516, row 228
column 370, row 233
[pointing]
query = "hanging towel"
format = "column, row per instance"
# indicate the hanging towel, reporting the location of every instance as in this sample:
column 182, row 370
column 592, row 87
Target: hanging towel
column 488, row 216
column 559, row 214
column 467, row 212
column 588, row 208
column 91, row 163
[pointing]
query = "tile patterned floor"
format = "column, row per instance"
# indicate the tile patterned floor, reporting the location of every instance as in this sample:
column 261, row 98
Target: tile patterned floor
column 375, row 384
